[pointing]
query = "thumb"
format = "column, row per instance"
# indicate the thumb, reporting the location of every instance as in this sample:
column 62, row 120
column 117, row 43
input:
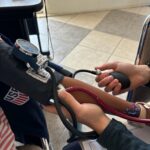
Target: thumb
column 112, row 65
column 70, row 100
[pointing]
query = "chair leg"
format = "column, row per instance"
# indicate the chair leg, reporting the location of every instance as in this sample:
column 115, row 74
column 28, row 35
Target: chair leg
column 46, row 145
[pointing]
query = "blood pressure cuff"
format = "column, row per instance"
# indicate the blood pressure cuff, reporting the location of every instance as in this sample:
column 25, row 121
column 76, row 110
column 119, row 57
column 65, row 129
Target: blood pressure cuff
column 25, row 116
column 13, row 73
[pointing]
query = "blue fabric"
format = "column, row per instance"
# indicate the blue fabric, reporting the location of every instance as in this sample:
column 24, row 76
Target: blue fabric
column 27, row 121
column 117, row 137
column 26, row 58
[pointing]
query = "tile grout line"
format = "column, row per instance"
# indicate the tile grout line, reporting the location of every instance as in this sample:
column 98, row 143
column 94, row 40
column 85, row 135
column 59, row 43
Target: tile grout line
column 74, row 46
column 114, row 49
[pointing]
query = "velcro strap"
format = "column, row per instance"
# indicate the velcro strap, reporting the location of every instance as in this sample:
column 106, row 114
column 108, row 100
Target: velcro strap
column 145, row 107
column 25, row 58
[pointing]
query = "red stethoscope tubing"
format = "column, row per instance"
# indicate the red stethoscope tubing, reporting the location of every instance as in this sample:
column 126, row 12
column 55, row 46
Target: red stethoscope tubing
column 105, row 106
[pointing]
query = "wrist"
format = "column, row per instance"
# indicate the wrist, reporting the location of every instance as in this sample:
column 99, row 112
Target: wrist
column 101, row 124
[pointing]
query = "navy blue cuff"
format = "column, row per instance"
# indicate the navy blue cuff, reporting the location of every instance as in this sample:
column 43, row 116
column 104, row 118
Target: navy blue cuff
column 59, row 77
column 108, row 134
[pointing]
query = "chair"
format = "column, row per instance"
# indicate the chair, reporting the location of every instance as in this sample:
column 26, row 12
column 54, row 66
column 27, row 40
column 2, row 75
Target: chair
column 143, row 57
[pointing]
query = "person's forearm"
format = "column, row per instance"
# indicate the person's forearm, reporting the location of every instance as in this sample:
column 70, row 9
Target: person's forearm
column 101, row 124
column 113, row 101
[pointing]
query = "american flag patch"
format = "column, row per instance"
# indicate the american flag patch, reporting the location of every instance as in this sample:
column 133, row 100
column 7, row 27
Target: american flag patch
column 16, row 97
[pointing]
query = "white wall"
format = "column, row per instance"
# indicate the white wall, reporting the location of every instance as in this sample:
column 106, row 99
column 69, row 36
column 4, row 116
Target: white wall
column 76, row 6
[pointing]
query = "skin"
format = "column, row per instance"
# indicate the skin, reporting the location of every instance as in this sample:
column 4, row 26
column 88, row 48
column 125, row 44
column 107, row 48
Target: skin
column 86, row 113
column 109, row 99
column 138, row 75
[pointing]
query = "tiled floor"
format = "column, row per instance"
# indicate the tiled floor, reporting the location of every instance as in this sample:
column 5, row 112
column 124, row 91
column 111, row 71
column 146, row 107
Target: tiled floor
column 90, row 39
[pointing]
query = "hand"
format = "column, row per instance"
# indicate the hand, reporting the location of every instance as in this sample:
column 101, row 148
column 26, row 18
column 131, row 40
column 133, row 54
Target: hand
column 137, row 74
column 88, row 114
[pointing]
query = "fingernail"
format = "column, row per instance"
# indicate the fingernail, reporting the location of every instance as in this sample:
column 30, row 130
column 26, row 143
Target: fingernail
column 60, row 93
column 110, row 78
column 107, row 90
column 99, row 84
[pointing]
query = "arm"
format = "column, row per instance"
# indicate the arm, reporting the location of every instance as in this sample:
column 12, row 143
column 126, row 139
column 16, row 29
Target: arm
column 115, row 102
column 113, row 134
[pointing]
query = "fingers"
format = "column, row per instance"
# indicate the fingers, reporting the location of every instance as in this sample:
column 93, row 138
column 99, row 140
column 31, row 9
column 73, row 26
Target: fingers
column 112, row 85
column 109, row 83
column 70, row 100
column 105, row 81
column 112, row 65
column 117, row 89
column 101, row 76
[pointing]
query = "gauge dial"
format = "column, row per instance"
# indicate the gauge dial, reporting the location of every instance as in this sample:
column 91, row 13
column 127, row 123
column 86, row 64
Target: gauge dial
column 27, row 47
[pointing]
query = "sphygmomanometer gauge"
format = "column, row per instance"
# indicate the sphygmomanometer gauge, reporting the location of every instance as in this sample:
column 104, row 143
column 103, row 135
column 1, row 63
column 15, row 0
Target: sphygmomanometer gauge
column 27, row 47
column 35, row 62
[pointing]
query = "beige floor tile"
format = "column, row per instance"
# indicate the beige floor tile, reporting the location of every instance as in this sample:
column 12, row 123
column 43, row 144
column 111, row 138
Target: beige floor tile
column 88, row 20
column 57, row 132
column 85, row 128
column 101, row 41
column 139, row 10
column 63, row 18
column 135, row 10
column 84, row 57
column 116, row 58
column 127, row 49
column 145, row 11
